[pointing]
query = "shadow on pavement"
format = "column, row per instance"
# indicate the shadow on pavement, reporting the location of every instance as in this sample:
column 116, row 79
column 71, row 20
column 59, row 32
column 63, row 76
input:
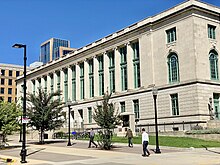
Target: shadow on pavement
column 36, row 151
column 211, row 150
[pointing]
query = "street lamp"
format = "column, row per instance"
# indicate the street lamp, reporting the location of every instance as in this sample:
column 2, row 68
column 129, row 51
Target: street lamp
column 69, row 103
column 23, row 150
column 155, row 92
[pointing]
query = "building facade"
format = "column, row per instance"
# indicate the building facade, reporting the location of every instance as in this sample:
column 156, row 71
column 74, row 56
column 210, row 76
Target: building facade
column 175, row 51
column 54, row 48
column 8, row 76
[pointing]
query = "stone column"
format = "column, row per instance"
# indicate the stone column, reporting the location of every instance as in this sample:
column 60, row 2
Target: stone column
column 77, row 82
column 130, row 68
column 86, row 78
column 96, row 76
column 106, row 71
column 117, row 71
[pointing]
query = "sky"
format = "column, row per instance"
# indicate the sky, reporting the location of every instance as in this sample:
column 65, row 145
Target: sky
column 31, row 22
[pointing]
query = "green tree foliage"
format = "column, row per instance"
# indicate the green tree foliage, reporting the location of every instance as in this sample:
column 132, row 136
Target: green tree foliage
column 9, row 118
column 107, row 117
column 44, row 111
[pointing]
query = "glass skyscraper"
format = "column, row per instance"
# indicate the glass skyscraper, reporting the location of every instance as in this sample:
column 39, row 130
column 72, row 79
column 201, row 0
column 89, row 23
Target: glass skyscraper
column 50, row 49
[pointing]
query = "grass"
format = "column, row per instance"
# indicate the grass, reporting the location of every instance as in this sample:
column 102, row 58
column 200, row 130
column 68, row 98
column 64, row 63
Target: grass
column 182, row 142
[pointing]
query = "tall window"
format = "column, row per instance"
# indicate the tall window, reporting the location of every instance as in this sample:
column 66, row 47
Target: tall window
column 58, row 81
column 91, row 78
column 9, row 91
column 213, row 59
column 2, row 72
column 65, row 84
column 136, row 109
column 101, row 75
column 9, row 81
column 211, row 31
column 90, row 114
column 122, row 106
column 173, row 68
column 2, row 90
column 10, row 73
column 39, row 82
column 136, row 64
column 45, row 83
column 73, row 82
column 174, row 104
column 171, row 35
column 9, row 99
column 81, row 80
column 34, row 86
column 2, row 81
column 17, row 73
column 123, row 53
column 51, row 83
column 111, row 56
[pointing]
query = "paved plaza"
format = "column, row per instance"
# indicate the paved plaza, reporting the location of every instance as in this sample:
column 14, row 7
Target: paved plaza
column 58, row 153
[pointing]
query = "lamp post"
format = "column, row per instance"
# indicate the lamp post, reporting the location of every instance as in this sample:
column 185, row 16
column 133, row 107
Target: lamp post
column 23, row 150
column 69, row 108
column 69, row 103
column 155, row 92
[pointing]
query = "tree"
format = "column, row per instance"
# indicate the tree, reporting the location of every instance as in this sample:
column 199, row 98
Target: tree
column 44, row 111
column 9, row 117
column 107, row 118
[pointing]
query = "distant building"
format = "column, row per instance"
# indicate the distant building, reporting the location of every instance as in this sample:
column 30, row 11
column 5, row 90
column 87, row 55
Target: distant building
column 54, row 48
column 8, row 75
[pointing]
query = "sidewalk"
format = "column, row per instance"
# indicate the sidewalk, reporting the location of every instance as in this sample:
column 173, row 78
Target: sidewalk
column 58, row 153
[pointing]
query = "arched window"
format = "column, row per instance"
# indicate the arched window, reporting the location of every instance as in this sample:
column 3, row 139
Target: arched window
column 213, row 59
column 173, row 68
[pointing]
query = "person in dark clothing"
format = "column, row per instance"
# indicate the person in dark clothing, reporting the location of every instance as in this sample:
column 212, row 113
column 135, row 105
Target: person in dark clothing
column 91, row 138
column 129, row 134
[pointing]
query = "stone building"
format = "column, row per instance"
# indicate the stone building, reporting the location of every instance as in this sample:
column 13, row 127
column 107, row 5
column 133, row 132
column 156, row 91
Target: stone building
column 175, row 51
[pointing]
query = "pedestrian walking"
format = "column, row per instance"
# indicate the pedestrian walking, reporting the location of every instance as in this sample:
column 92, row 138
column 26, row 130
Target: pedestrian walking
column 91, row 138
column 145, row 142
column 129, row 134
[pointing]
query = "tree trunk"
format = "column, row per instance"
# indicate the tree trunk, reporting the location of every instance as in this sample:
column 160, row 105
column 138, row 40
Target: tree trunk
column 42, row 136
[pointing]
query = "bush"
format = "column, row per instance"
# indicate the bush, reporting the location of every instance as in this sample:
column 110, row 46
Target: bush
column 104, row 139
column 205, row 131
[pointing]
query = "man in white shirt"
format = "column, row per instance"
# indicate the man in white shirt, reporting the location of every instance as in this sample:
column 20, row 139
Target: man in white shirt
column 145, row 141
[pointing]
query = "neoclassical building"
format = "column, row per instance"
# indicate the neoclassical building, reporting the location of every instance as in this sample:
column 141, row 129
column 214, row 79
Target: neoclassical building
column 176, row 51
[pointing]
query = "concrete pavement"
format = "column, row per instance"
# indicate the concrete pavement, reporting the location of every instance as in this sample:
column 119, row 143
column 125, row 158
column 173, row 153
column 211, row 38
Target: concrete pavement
column 57, row 153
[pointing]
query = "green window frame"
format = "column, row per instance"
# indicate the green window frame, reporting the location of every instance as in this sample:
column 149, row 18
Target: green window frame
column 65, row 71
column 34, row 86
column 90, row 115
column 51, row 83
column 213, row 60
column 173, row 68
column 122, row 106
column 58, row 82
column 171, row 35
column 39, row 82
column 82, row 80
column 136, row 109
column 174, row 104
column 136, row 64
column 45, row 83
column 211, row 31
column 123, row 53
column 101, row 75
column 111, row 68
column 73, row 82
column 91, row 78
